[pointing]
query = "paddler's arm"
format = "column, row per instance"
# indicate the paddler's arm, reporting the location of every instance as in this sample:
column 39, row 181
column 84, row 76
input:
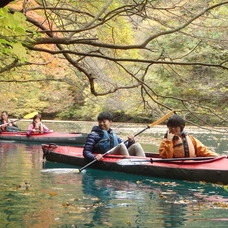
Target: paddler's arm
column 46, row 128
column 89, row 146
column 201, row 150
column 29, row 130
column 166, row 146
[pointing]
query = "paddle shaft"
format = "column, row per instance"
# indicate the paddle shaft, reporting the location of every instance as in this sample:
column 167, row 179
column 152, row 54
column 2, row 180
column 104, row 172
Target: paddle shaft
column 25, row 131
column 5, row 124
column 90, row 163
column 180, row 159
column 109, row 151
column 37, row 131
column 141, row 131
column 124, row 161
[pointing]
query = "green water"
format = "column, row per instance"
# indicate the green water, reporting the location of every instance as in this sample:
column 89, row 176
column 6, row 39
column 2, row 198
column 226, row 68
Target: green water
column 30, row 197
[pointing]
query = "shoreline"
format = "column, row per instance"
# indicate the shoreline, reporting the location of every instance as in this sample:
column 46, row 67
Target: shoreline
column 129, row 125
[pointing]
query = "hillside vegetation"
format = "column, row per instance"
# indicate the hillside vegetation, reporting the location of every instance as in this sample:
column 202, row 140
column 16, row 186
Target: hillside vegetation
column 138, row 59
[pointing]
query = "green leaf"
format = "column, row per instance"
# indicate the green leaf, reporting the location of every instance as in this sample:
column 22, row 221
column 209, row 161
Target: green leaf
column 20, row 31
column 3, row 11
column 19, row 17
column 19, row 51
column 3, row 41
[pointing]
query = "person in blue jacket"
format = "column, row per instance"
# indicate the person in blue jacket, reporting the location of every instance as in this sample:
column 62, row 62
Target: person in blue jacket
column 102, row 138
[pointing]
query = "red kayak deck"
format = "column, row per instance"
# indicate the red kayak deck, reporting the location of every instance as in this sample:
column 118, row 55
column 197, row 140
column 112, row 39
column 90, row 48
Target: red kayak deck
column 212, row 170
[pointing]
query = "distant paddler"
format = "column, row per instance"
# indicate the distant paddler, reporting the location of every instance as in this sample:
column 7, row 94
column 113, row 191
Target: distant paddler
column 6, row 124
column 37, row 127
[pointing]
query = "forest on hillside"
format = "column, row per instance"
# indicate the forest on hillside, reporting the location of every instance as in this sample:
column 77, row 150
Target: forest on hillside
column 139, row 59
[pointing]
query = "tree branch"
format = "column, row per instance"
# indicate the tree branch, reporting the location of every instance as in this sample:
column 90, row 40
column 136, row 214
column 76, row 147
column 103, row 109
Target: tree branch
column 137, row 46
column 32, row 80
column 15, row 64
column 126, row 59
column 96, row 17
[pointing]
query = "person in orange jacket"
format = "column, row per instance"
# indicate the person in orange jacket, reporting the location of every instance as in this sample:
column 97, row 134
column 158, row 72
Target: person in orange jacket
column 178, row 144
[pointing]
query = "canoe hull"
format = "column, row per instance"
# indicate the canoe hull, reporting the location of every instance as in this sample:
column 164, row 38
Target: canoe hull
column 52, row 137
column 205, row 171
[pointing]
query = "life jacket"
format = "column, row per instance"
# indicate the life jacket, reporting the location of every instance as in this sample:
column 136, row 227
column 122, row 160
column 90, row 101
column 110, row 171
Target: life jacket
column 107, row 141
column 183, row 147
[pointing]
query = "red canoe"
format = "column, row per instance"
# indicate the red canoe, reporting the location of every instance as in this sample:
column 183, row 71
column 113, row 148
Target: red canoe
column 47, row 137
column 214, row 170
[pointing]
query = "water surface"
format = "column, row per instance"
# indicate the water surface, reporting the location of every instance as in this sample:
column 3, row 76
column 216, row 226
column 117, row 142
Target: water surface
column 30, row 197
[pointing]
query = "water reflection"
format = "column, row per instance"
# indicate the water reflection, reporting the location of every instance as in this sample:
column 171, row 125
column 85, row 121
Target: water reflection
column 113, row 198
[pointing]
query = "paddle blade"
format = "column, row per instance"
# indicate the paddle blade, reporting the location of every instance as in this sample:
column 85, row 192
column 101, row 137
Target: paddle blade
column 132, row 161
column 60, row 170
column 30, row 115
column 162, row 119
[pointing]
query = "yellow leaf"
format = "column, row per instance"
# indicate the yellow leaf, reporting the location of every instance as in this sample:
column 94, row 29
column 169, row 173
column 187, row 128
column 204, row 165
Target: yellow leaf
column 53, row 193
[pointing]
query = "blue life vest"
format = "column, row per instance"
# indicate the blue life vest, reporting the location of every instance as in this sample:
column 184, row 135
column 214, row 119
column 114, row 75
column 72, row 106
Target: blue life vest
column 107, row 141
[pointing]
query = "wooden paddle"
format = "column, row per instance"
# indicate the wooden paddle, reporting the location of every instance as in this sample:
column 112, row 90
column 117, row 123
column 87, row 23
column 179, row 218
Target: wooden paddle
column 149, row 126
column 28, row 116
column 140, row 161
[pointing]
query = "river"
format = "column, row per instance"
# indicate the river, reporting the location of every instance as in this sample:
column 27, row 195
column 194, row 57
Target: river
column 30, row 197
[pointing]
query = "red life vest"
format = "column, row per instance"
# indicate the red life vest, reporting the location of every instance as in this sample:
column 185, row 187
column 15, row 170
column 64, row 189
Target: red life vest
column 183, row 147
